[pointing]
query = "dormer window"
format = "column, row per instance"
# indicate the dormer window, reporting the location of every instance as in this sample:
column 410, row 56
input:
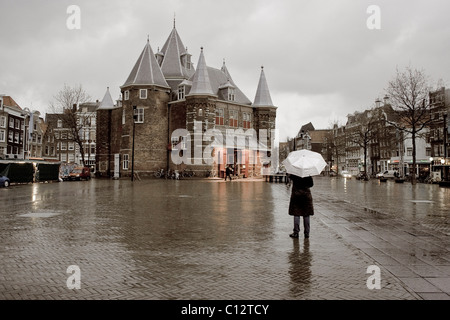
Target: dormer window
column 231, row 94
column 181, row 92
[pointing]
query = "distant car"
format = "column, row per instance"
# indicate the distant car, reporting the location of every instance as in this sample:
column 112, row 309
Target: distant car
column 388, row 174
column 346, row 174
column 4, row 181
column 81, row 173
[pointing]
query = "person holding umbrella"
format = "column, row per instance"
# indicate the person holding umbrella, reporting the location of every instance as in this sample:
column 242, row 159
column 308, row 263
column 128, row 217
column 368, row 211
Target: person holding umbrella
column 301, row 165
column 301, row 204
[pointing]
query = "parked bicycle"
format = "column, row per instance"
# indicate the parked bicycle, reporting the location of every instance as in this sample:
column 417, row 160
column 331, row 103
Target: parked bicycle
column 210, row 174
column 188, row 173
column 160, row 173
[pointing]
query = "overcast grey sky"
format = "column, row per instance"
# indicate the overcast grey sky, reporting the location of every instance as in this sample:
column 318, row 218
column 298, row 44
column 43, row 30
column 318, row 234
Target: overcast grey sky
column 321, row 60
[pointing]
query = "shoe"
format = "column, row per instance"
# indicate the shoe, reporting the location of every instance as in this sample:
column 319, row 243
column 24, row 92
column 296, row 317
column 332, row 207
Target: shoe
column 293, row 235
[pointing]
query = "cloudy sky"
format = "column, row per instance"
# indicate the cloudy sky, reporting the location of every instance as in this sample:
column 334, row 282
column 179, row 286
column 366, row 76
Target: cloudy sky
column 321, row 60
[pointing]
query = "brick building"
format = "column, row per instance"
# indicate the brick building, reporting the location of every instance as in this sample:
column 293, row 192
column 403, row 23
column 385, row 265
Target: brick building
column 12, row 129
column 173, row 116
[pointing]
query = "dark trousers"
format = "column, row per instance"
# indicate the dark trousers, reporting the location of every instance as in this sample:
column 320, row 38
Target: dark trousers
column 227, row 176
column 306, row 224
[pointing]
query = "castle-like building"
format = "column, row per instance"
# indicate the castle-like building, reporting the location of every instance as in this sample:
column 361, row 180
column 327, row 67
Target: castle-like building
column 174, row 116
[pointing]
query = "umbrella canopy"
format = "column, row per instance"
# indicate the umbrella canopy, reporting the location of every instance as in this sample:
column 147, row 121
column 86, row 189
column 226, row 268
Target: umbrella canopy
column 304, row 163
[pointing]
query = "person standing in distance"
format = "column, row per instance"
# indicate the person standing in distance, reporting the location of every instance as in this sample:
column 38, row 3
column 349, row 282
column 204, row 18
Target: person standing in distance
column 301, row 204
column 228, row 173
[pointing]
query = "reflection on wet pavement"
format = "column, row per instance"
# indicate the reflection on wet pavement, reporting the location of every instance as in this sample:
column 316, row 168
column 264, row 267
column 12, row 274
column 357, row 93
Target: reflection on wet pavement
column 186, row 239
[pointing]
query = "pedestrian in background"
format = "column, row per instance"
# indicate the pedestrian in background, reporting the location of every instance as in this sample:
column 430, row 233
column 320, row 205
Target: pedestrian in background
column 301, row 204
column 228, row 173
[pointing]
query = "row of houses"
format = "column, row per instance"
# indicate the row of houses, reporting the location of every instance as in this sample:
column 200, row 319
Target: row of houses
column 26, row 135
column 370, row 142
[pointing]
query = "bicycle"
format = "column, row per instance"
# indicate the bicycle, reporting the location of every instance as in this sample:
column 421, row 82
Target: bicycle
column 160, row 173
column 188, row 174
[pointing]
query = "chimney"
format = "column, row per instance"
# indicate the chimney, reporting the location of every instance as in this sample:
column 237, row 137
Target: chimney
column 74, row 107
column 377, row 102
column 386, row 100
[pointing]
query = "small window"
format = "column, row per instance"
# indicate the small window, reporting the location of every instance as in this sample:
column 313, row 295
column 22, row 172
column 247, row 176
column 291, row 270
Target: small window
column 126, row 95
column 231, row 94
column 174, row 143
column 2, row 135
column 143, row 93
column 123, row 116
column 59, row 124
column 2, row 122
column 125, row 162
column 11, row 122
column 139, row 115
column 233, row 121
column 219, row 117
column 409, row 152
column 181, row 92
column 200, row 112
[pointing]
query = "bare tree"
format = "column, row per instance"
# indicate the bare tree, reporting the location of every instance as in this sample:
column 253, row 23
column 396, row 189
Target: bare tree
column 408, row 92
column 65, row 105
column 334, row 145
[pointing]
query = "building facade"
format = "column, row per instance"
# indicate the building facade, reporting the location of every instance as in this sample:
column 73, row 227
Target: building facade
column 12, row 129
column 439, row 132
column 173, row 116
column 59, row 142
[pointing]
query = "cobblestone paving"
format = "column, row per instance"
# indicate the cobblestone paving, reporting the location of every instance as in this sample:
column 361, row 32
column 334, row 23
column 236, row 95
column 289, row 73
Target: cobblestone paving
column 184, row 239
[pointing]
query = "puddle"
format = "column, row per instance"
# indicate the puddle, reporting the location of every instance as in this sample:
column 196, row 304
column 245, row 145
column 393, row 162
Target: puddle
column 39, row 214
column 421, row 201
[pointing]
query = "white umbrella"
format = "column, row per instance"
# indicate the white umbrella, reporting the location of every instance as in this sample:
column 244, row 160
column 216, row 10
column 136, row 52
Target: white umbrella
column 304, row 163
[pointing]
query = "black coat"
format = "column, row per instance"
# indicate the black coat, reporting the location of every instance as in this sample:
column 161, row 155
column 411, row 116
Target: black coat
column 301, row 203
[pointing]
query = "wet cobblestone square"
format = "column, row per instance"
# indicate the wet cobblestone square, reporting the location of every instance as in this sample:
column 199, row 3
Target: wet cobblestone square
column 210, row 239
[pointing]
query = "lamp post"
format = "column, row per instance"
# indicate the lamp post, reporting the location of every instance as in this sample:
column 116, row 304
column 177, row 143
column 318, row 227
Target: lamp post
column 132, row 152
column 431, row 165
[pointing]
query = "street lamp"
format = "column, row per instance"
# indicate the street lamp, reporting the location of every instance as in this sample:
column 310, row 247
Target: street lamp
column 28, row 134
column 132, row 152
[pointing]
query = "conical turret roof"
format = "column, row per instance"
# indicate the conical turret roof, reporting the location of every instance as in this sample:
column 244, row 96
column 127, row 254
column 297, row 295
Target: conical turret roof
column 262, row 97
column 172, row 51
column 146, row 71
column 201, row 84
column 107, row 102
